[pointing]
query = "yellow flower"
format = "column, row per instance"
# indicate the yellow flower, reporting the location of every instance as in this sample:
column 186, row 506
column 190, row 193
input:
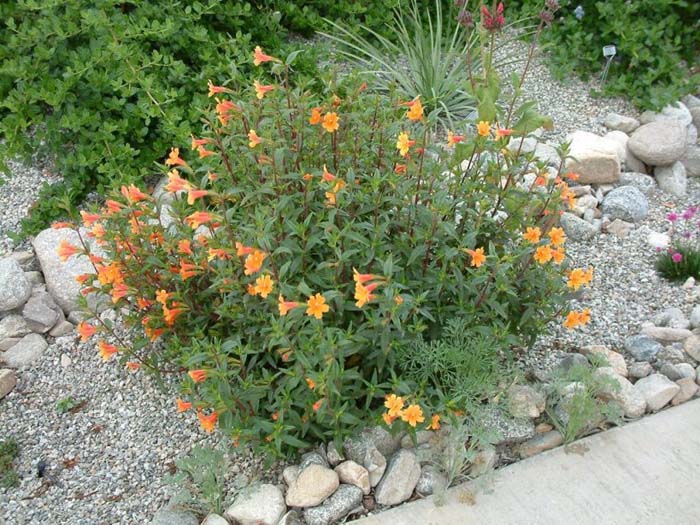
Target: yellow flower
column 316, row 306
column 577, row 278
column 415, row 110
column 387, row 418
column 310, row 382
column 412, row 415
column 253, row 262
column 394, row 404
column 557, row 236
column 575, row 319
column 315, row 117
column 478, row 257
column 434, row 422
column 330, row 122
column 363, row 294
column 403, row 143
column 543, row 254
column 558, row 255
column 483, row 128
column 263, row 285
column 532, row 235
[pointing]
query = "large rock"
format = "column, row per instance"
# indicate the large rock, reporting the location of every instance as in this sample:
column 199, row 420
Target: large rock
column 340, row 504
column 626, row 203
column 364, row 452
column 13, row 326
column 642, row 347
column 547, row 154
column 312, row 486
column 525, row 401
column 261, row 505
column 595, row 159
column 354, row 474
column 399, row 480
column 672, row 179
column 659, row 143
column 666, row 334
column 632, row 403
column 676, row 112
column 692, row 347
column 8, row 381
column 640, row 369
column 60, row 276
column 622, row 123
column 507, row 429
column 695, row 113
column 613, row 359
column 688, row 388
column 42, row 313
column 691, row 161
column 673, row 317
column 619, row 139
column 431, row 481
column 643, row 182
column 657, row 390
column 25, row 353
column 15, row 289
column 215, row 519
column 577, row 229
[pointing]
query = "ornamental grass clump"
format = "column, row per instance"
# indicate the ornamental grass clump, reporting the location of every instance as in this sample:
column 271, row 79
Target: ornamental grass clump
column 302, row 239
column 682, row 258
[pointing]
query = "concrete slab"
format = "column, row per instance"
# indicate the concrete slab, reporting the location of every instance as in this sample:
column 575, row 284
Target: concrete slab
column 646, row 472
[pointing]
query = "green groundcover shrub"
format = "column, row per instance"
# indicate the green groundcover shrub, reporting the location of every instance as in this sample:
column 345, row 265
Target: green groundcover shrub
column 106, row 86
column 658, row 51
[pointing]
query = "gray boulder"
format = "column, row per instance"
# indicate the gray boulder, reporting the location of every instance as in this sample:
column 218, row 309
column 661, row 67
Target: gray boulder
column 174, row 515
column 672, row 179
column 431, row 481
column 260, row 505
column 13, row 325
column 8, row 381
column 643, row 182
column 657, row 390
column 42, row 313
column 622, row 123
column 676, row 112
column 15, row 289
column 313, row 485
column 626, row 203
column 26, row 352
column 691, row 161
column 659, row 143
column 340, row 504
column 399, row 480
column 577, row 229
column 642, row 347
column 60, row 276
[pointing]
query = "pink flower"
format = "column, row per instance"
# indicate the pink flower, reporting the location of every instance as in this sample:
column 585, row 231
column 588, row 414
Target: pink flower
column 673, row 216
column 677, row 257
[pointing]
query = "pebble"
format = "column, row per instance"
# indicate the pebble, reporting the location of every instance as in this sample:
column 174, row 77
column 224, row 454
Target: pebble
column 524, row 401
column 640, row 369
column 215, row 519
column 431, row 481
column 15, row 289
column 174, row 515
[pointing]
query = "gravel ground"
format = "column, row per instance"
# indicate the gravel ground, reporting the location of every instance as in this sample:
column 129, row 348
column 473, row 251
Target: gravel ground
column 17, row 194
column 106, row 461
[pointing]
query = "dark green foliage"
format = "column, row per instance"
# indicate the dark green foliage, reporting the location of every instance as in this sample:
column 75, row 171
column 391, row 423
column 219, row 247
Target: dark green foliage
column 657, row 45
column 109, row 87
column 9, row 450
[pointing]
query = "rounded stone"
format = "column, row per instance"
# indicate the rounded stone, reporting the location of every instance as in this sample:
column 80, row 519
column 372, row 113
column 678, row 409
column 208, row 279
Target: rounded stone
column 260, row 505
column 659, row 143
column 626, row 203
column 15, row 288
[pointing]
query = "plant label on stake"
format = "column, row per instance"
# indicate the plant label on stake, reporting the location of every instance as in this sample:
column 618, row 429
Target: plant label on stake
column 609, row 53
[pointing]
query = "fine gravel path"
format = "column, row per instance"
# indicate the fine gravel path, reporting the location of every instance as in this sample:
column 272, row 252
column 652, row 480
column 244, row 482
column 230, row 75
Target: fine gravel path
column 106, row 462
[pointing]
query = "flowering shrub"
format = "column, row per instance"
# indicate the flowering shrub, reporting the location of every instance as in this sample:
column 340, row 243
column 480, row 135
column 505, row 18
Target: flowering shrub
column 304, row 238
column 682, row 258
